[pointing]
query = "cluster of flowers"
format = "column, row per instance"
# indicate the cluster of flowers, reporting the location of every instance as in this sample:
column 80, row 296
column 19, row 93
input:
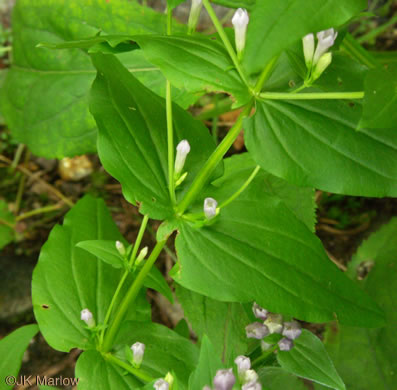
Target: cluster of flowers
column 273, row 323
column 248, row 378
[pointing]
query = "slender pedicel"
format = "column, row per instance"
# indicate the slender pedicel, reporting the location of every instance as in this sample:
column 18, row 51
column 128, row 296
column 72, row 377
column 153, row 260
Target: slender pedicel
column 194, row 15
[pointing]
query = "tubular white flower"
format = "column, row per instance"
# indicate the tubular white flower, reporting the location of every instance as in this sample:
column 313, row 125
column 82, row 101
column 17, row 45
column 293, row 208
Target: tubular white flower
column 292, row 330
column 194, row 15
column 210, row 205
column 252, row 386
column 326, row 39
column 224, row 380
column 243, row 364
column 308, row 49
column 120, row 248
column 274, row 322
column 161, row 384
column 256, row 330
column 285, row 344
column 240, row 22
column 138, row 350
column 321, row 65
column 250, row 376
column 182, row 150
column 87, row 317
column 259, row 312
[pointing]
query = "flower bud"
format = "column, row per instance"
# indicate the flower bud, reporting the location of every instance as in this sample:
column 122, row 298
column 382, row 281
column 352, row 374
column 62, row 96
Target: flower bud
column 285, row 344
column 322, row 64
column 161, row 384
column 250, row 376
column 243, row 364
column 292, row 330
column 142, row 254
column 308, row 49
column 138, row 349
column 194, row 15
column 182, row 150
column 252, row 386
column 240, row 22
column 120, row 248
column 224, row 380
column 274, row 322
column 259, row 312
column 256, row 330
column 206, row 387
column 326, row 39
column 210, row 206
column 87, row 317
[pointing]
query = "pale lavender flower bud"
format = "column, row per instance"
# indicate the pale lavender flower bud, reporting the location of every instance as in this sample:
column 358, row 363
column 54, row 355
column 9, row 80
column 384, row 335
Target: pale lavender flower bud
column 308, row 49
column 322, row 64
column 252, row 386
column 243, row 364
column 206, row 388
column 285, row 344
column 292, row 330
column 194, row 14
column 138, row 350
column 240, row 22
column 120, row 248
column 224, row 380
column 161, row 384
column 182, row 150
column 250, row 376
column 259, row 312
column 256, row 330
column 87, row 317
column 326, row 39
column 210, row 206
column 274, row 322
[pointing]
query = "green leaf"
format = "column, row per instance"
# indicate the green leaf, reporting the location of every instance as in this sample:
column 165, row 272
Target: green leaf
column 239, row 167
column 12, row 348
column 275, row 378
column 7, row 221
column 380, row 101
column 132, row 142
column 309, row 359
column 45, row 96
column 247, row 4
column 257, row 250
column 165, row 351
column 284, row 136
column 67, row 279
column 182, row 328
column 104, row 250
column 95, row 373
column 208, row 364
column 223, row 323
column 194, row 64
column 155, row 280
column 174, row 3
column 274, row 25
column 365, row 358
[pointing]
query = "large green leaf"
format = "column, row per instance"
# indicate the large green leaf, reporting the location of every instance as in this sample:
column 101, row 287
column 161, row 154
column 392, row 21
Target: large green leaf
column 222, row 322
column 194, row 63
column 275, row 378
column 12, row 348
column 380, row 102
column 132, row 141
column 7, row 221
column 309, row 359
column 95, row 373
column 45, row 96
column 247, row 4
column 275, row 25
column 285, row 136
column 366, row 358
column 257, row 250
column 68, row 279
column 207, row 366
column 165, row 351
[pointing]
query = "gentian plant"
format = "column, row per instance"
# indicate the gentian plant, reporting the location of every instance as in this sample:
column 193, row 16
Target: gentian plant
column 318, row 111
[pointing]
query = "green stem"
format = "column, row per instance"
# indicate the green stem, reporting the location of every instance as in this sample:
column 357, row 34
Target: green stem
column 21, row 186
column 169, row 21
column 264, row 356
column 352, row 47
column 137, row 372
column 204, row 174
column 214, row 126
column 311, row 95
column 17, row 156
column 42, row 210
column 376, row 31
column 225, row 40
column 130, row 297
column 9, row 224
column 266, row 73
column 124, row 277
column 242, row 188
